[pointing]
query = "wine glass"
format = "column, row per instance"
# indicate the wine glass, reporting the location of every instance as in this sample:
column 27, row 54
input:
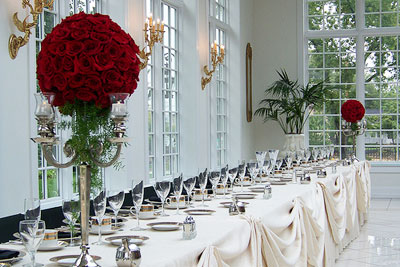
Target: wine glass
column 177, row 185
column 214, row 177
column 242, row 173
column 115, row 200
column 224, row 178
column 289, row 159
column 137, row 198
column 32, row 234
column 299, row 157
column 273, row 155
column 99, row 206
column 307, row 154
column 232, row 173
column 278, row 163
column 251, row 167
column 265, row 169
column 188, row 184
column 32, row 208
column 203, row 184
column 162, row 189
column 315, row 154
column 72, row 210
column 260, row 156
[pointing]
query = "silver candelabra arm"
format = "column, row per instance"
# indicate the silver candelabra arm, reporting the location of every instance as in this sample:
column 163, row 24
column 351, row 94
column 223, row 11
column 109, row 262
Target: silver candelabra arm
column 48, row 155
column 95, row 153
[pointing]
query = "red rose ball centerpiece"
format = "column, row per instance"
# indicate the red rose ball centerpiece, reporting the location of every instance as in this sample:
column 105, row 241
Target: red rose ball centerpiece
column 352, row 113
column 84, row 62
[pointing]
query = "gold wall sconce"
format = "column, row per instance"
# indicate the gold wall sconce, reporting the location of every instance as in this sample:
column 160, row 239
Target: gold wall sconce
column 14, row 42
column 153, row 33
column 215, row 60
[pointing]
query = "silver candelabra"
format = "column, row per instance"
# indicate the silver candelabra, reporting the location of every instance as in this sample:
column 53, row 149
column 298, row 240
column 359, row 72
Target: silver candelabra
column 354, row 129
column 45, row 116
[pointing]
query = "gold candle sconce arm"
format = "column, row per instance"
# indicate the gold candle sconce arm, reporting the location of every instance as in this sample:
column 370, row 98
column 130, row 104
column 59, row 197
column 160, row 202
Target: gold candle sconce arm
column 14, row 42
column 215, row 60
column 153, row 33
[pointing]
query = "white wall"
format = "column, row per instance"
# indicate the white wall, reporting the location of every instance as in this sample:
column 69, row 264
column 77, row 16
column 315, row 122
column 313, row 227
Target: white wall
column 275, row 46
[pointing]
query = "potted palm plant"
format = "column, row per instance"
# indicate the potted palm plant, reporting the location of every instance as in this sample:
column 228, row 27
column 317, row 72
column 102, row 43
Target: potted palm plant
column 290, row 104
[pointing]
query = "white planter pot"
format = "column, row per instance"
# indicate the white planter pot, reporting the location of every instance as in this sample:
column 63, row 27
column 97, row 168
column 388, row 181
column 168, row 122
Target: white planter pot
column 293, row 142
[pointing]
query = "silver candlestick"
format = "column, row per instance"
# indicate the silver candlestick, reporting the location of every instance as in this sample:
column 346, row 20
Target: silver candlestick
column 46, row 124
column 354, row 129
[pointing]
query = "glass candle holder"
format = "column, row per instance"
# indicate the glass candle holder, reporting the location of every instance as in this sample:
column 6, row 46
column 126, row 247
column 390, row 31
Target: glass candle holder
column 44, row 108
column 119, row 105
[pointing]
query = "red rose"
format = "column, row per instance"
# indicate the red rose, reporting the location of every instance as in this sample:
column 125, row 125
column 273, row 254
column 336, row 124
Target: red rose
column 101, row 37
column 123, row 64
column 59, row 81
column 121, row 37
column 74, row 48
column 94, row 82
column 45, row 67
column 85, row 94
column 61, row 33
column 58, row 48
column 103, row 62
column 112, row 77
column 76, row 81
column 67, row 63
column 85, row 64
column 82, row 25
column 114, row 50
column 80, row 34
column 91, row 47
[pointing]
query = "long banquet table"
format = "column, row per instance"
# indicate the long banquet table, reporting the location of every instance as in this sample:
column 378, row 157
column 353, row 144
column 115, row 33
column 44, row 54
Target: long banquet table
column 301, row 225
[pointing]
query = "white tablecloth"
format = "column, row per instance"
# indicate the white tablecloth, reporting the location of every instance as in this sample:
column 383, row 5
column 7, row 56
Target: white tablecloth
column 301, row 225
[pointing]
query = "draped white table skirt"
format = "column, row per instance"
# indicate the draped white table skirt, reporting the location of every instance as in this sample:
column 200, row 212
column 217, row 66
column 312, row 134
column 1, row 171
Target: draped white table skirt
column 301, row 225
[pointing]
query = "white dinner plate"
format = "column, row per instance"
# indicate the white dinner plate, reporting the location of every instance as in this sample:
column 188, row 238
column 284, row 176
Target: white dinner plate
column 60, row 245
column 199, row 212
column 117, row 240
column 227, row 204
column 245, row 195
column 257, row 188
column 68, row 260
column 104, row 231
column 165, row 226
column 278, row 183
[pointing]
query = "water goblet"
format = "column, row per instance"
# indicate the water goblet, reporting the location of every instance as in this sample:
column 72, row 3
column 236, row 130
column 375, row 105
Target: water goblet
column 214, row 177
column 260, row 156
column 189, row 184
column 115, row 200
column 99, row 206
column 242, row 173
column 137, row 198
column 307, row 155
column 162, row 189
column 72, row 210
column 32, row 209
column 232, row 173
column 224, row 178
column 203, row 184
column 177, row 185
column 299, row 157
column 32, row 234
column 266, row 167
column 273, row 155
column 278, row 163
column 251, row 167
column 315, row 154
column 289, row 159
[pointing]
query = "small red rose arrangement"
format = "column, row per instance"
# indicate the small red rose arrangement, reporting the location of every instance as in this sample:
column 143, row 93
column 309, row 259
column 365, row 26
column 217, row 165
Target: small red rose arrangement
column 85, row 58
column 352, row 111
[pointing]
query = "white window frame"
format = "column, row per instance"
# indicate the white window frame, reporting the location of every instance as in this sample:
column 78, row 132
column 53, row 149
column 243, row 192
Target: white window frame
column 157, row 65
column 214, row 24
column 359, row 33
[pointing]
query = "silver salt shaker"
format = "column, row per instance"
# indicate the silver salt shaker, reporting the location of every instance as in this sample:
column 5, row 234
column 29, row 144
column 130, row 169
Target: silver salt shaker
column 189, row 228
column 128, row 254
column 267, row 191
column 233, row 207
